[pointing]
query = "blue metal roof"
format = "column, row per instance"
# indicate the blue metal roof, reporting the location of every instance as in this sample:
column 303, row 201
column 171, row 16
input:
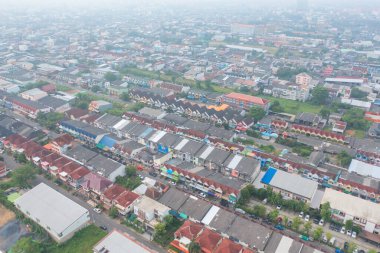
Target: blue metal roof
column 268, row 175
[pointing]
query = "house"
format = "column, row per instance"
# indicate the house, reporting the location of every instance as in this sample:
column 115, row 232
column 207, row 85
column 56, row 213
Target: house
column 339, row 126
column 60, row 144
column 125, row 202
column 241, row 167
column 153, row 113
column 291, row 186
column 76, row 113
column 26, row 107
column 95, row 184
column 150, row 212
column 194, row 208
column 245, row 101
column 363, row 213
column 80, row 154
column 110, row 194
column 106, row 167
column 117, row 242
column 364, row 169
column 83, row 131
column 33, row 94
column 57, row 214
column 76, row 177
column 99, row 106
column 187, row 149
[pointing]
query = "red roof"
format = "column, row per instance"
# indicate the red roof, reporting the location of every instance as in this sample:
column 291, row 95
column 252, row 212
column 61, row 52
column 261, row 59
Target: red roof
column 114, row 191
column 228, row 246
column 48, row 88
column 248, row 98
column 189, row 230
column 76, row 112
column 208, row 240
column 126, row 198
column 64, row 139
column 79, row 173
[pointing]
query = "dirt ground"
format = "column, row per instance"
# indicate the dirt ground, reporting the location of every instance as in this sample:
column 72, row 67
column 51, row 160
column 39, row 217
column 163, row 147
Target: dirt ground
column 5, row 216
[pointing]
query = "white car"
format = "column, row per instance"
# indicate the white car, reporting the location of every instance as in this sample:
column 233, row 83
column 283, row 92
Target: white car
column 321, row 222
column 300, row 215
column 203, row 195
column 307, row 217
column 349, row 232
column 343, row 230
column 173, row 183
column 97, row 210
column 278, row 207
column 353, row 234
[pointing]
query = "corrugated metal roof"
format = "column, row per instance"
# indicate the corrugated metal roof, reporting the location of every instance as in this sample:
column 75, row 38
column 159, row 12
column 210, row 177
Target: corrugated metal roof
column 268, row 175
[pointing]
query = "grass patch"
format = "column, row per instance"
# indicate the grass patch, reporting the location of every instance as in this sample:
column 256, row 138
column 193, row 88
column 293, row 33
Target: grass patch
column 83, row 241
column 294, row 107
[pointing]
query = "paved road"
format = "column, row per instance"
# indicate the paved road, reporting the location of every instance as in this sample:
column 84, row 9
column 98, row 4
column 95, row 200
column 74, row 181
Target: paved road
column 101, row 219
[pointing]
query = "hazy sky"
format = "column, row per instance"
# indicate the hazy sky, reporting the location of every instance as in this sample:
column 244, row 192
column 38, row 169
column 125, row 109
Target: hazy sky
column 26, row 4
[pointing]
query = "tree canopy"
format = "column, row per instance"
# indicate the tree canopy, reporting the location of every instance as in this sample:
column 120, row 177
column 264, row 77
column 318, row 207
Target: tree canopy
column 26, row 245
column 320, row 95
column 23, row 176
column 257, row 113
column 110, row 77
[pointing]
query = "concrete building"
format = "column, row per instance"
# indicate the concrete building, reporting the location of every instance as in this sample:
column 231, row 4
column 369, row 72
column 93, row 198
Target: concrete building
column 57, row 214
column 33, row 94
column 303, row 79
column 345, row 207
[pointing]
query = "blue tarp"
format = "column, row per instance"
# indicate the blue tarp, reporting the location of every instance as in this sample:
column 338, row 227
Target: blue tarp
column 268, row 175
column 107, row 141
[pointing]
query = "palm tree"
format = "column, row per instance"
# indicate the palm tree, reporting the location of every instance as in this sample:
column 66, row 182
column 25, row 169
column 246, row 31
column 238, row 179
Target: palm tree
column 194, row 247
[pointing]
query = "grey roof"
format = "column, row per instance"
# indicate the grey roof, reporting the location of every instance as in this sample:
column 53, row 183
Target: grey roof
column 220, row 132
column 195, row 208
column 174, row 198
column 50, row 207
column 154, row 113
column 81, row 153
column 222, row 220
column 103, row 165
column 294, row 183
column 108, row 120
column 251, row 233
column 192, row 147
column 274, row 245
column 176, row 119
column 131, row 145
column 52, row 102
column 232, row 182
column 138, row 130
column 117, row 242
column 196, row 125
column 169, row 139
column 217, row 156
column 242, row 164
column 86, row 127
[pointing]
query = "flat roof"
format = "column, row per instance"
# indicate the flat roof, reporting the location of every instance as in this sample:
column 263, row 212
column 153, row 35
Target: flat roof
column 364, row 169
column 222, row 220
column 52, row 208
column 116, row 242
column 174, row 198
column 195, row 208
column 352, row 205
column 290, row 182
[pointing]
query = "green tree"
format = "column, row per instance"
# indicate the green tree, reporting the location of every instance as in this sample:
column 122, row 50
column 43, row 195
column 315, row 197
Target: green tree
column 168, row 219
column 317, row 233
column 194, row 247
column 125, row 96
column 198, row 84
column 110, row 77
column 326, row 211
column 276, row 107
column 324, row 112
column 26, row 245
column 344, row 158
column 297, row 222
column 130, row 171
column 259, row 210
column 20, row 157
column 50, row 119
column 320, row 95
column 351, row 247
column 307, row 227
column 272, row 215
column 113, row 212
column 23, row 176
column 257, row 113
column 349, row 224
column 359, row 94
column 372, row 251
column 95, row 88
column 355, row 119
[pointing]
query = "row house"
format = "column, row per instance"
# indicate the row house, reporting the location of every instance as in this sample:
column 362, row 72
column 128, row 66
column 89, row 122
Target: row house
column 60, row 144
column 94, row 185
column 280, row 124
column 203, row 184
column 319, row 133
column 14, row 142
column 83, row 131
column 26, row 107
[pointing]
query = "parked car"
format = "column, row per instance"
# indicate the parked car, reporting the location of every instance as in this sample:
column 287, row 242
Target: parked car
column 153, row 174
column 224, row 203
column 290, row 223
column 307, row 217
column 316, row 221
column 349, row 232
column 238, row 210
column 203, row 195
column 332, row 241
column 300, row 215
column 353, row 234
column 104, row 228
column 173, row 183
column 324, row 239
column 321, row 222
column 97, row 210
column 278, row 207
column 343, row 230
column 141, row 177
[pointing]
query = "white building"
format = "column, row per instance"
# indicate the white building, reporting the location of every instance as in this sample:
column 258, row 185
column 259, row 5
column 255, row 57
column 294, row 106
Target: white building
column 345, row 207
column 57, row 214
column 116, row 242
column 33, row 94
